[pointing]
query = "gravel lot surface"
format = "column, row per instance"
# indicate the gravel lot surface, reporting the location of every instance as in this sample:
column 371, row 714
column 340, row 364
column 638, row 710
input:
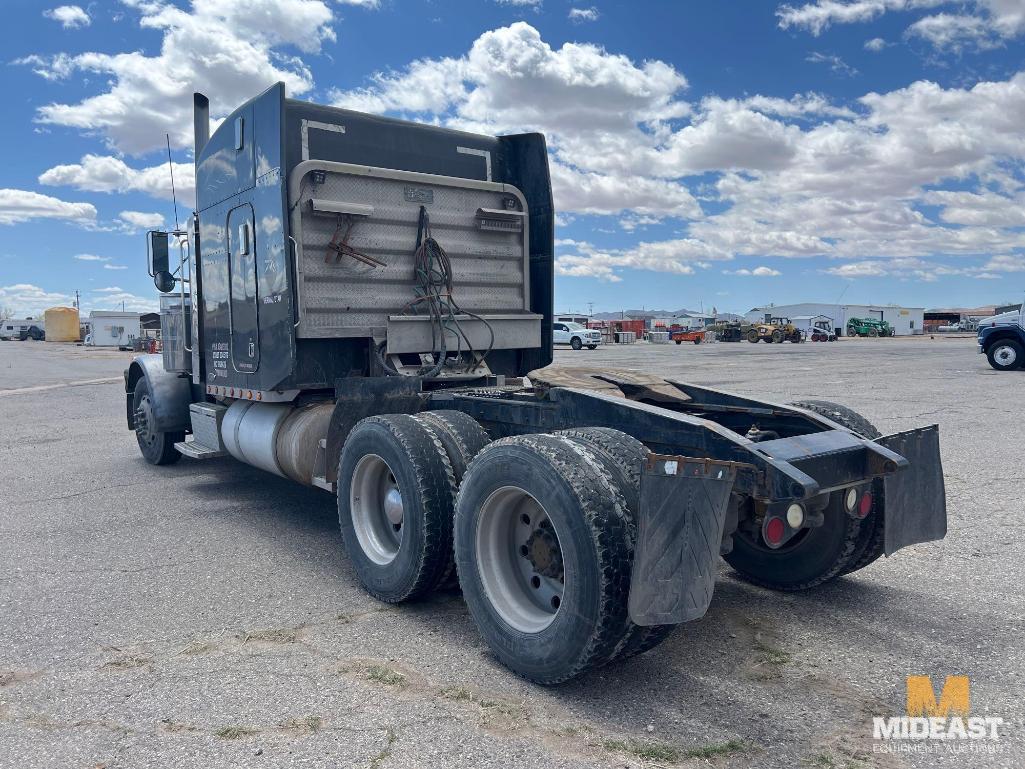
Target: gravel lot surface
column 204, row 615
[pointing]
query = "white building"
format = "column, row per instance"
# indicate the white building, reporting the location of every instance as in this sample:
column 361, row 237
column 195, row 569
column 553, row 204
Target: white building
column 569, row 317
column 903, row 320
column 108, row 328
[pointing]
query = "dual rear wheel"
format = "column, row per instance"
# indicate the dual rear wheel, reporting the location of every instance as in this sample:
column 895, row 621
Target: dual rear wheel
column 541, row 531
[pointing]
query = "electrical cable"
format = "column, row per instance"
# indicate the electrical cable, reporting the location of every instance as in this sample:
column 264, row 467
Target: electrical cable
column 433, row 271
column 433, row 287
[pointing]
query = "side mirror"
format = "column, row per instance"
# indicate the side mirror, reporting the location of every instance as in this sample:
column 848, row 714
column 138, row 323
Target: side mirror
column 160, row 262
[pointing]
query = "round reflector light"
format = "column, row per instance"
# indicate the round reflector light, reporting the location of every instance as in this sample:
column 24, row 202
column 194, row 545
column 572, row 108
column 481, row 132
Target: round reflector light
column 795, row 516
column 866, row 504
column 851, row 498
column 774, row 531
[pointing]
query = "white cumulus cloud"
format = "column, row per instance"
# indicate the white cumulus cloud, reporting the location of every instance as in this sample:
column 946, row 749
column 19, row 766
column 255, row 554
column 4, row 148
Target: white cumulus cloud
column 28, row 299
column 229, row 49
column 140, row 220
column 23, row 205
column 757, row 272
column 962, row 23
column 105, row 173
column 796, row 176
column 580, row 15
column 69, row 16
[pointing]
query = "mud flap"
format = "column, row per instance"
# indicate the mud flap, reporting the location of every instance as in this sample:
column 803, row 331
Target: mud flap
column 679, row 531
column 916, row 503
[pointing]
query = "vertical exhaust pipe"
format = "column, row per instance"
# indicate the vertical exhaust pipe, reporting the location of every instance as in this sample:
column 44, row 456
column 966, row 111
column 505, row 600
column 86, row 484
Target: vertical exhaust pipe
column 200, row 121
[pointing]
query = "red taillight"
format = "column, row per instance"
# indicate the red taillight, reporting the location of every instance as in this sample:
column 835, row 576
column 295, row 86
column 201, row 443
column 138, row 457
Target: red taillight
column 865, row 506
column 774, row 531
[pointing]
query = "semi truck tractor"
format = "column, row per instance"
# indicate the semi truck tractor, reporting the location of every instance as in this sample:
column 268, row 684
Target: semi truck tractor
column 364, row 305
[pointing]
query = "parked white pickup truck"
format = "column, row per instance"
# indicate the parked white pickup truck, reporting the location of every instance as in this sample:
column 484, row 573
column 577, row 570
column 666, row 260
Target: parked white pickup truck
column 575, row 335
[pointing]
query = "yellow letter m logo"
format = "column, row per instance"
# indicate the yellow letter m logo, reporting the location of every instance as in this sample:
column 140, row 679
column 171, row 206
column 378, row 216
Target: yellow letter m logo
column 953, row 698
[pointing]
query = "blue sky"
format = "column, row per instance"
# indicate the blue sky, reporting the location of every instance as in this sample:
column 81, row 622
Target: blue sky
column 718, row 154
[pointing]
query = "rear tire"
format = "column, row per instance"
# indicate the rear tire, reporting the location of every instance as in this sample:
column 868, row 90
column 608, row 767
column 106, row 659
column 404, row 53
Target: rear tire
column 813, row 556
column 555, row 495
column 463, row 438
column 624, row 456
column 157, row 447
column 1005, row 355
column 396, row 495
column 871, row 542
column 697, row 340
column 575, row 343
column 460, row 434
column 752, row 336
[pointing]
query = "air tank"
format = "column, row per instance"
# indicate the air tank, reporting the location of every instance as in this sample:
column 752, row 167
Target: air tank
column 62, row 324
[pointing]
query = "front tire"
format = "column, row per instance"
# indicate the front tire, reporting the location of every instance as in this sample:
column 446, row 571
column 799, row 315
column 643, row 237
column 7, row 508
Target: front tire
column 1005, row 355
column 592, row 347
column 543, row 552
column 752, row 336
column 157, row 447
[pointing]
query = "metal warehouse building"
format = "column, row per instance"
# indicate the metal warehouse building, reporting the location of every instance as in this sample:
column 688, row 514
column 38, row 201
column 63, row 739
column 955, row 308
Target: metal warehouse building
column 904, row 320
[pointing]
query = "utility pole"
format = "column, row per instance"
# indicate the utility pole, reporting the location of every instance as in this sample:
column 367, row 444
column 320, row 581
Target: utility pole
column 590, row 309
column 78, row 305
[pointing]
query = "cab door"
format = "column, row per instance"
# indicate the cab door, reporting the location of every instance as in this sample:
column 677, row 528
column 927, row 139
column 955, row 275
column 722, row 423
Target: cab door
column 243, row 303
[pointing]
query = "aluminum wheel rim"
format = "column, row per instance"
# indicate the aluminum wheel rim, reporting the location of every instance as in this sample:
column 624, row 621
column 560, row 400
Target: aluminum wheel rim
column 1006, row 355
column 523, row 596
column 375, row 504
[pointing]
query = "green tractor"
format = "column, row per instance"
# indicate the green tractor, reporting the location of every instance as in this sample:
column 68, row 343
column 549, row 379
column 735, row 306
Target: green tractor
column 868, row 327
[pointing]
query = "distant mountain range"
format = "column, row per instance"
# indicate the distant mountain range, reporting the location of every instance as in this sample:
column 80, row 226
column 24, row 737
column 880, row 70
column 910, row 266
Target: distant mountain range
column 644, row 314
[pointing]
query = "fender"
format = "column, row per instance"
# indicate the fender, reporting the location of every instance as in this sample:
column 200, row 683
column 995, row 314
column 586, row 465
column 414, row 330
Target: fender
column 171, row 393
column 991, row 334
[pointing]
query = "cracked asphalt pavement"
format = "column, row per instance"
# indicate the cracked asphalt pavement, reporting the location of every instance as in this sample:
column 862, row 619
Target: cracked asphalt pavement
column 204, row 615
